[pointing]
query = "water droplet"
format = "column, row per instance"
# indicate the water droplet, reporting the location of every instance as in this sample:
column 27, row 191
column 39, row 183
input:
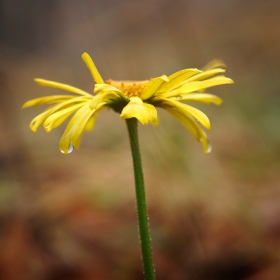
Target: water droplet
column 70, row 149
column 209, row 149
column 206, row 144
column 178, row 97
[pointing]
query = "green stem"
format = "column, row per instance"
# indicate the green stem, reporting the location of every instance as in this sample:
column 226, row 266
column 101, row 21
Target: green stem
column 143, row 223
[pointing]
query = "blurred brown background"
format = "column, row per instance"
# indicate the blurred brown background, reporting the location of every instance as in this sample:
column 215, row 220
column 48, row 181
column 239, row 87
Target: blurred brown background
column 213, row 216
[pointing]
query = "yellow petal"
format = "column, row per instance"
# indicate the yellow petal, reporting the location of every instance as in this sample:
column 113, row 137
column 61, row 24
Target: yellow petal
column 176, row 78
column 46, row 100
column 206, row 74
column 188, row 111
column 153, row 86
column 215, row 63
column 72, row 134
column 195, row 86
column 56, row 119
column 97, row 102
column 200, row 97
column 192, row 126
column 92, row 68
column 135, row 109
column 88, row 126
column 38, row 120
column 216, row 81
column 91, row 122
column 52, row 84
column 102, row 88
column 152, row 113
column 101, row 100
column 109, row 92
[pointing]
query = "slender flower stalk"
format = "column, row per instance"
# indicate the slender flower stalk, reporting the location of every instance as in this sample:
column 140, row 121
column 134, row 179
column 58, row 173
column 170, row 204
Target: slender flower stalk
column 134, row 101
column 141, row 205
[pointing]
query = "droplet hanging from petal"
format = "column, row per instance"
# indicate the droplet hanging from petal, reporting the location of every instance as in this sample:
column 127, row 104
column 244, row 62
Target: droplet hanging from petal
column 70, row 149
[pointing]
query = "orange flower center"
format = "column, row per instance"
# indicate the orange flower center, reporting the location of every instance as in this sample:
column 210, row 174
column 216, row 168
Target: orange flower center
column 129, row 88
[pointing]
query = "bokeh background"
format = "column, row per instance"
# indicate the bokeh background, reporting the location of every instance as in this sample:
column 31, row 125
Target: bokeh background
column 213, row 216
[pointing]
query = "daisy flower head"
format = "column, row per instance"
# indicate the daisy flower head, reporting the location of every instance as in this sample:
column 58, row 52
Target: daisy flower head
column 131, row 99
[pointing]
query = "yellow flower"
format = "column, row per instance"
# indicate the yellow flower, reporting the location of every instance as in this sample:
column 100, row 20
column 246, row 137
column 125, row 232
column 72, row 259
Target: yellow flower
column 131, row 99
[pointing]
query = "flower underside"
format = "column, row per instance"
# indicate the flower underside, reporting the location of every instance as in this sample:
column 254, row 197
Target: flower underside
column 131, row 99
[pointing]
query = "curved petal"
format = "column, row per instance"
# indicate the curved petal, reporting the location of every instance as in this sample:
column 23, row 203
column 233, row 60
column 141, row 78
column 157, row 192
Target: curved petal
column 200, row 85
column 206, row 74
column 200, row 97
column 215, row 63
column 56, row 119
column 176, row 78
column 102, row 88
column 109, row 92
column 152, row 113
column 52, row 84
column 92, row 68
column 38, row 120
column 91, row 122
column 74, row 129
column 135, row 109
column 153, row 86
column 77, row 137
column 188, row 110
column 192, row 126
column 101, row 100
column 46, row 100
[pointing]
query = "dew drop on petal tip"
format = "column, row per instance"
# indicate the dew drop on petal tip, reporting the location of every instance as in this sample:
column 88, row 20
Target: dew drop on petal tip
column 178, row 97
column 70, row 149
column 209, row 149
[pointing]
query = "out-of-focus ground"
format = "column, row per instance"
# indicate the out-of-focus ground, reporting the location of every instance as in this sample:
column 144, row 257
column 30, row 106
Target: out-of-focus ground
column 213, row 216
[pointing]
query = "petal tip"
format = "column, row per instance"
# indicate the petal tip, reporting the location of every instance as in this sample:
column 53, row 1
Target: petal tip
column 207, row 147
column 92, row 68
column 85, row 55
column 24, row 106
column 38, row 80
